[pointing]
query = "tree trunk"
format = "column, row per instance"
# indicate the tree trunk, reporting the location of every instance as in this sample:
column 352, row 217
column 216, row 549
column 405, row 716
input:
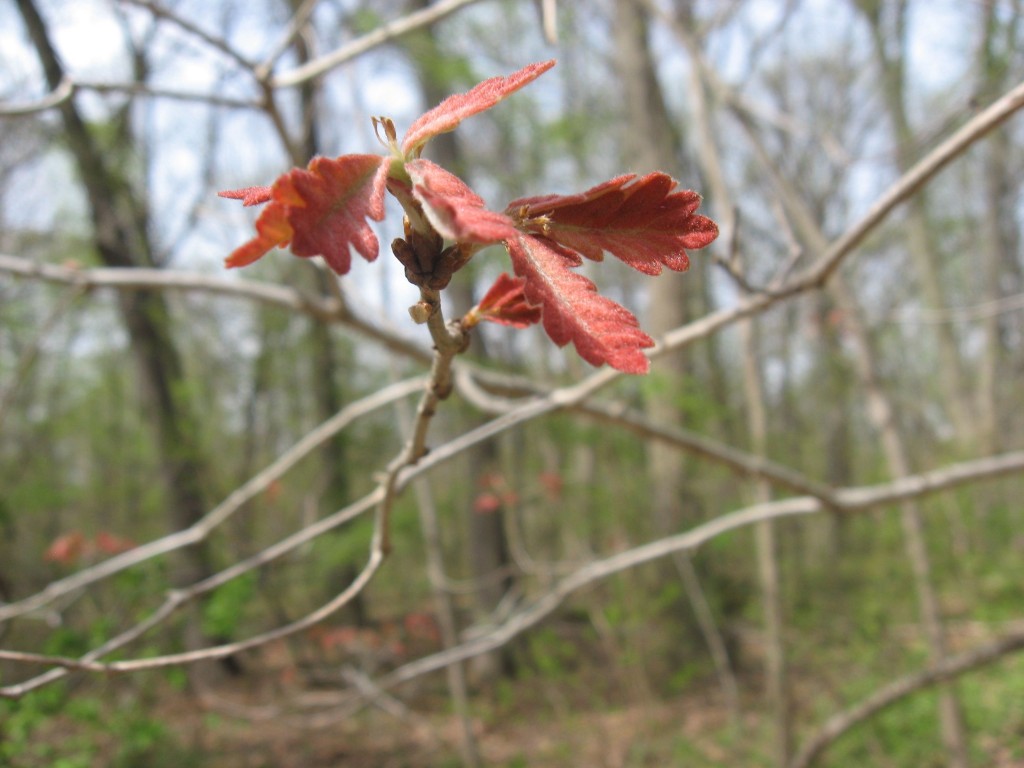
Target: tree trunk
column 883, row 418
column 1000, row 238
column 776, row 685
column 922, row 244
column 648, row 143
column 120, row 223
column 324, row 364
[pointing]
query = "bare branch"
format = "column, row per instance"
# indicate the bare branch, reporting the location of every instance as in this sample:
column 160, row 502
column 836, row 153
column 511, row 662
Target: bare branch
column 215, row 42
column 949, row 668
column 449, row 341
column 55, row 98
column 818, row 273
column 219, row 514
column 149, row 91
column 298, row 21
column 639, row 423
column 379, row 36
column 980, row 311
column 282, row 297
column 917, row 177
column 851, row 500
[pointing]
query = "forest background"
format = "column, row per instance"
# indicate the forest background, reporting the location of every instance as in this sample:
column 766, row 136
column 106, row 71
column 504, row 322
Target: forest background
column 797, row 541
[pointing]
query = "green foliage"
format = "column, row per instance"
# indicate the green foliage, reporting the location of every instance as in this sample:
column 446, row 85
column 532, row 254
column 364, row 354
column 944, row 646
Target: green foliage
column 553, row 656
column 227, row 606
column 49, row 728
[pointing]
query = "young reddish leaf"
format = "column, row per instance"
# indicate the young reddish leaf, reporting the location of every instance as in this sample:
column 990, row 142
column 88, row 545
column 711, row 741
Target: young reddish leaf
column 453, row 110
column 643, row 221
column 334, row 198
column 321, row 211
column 453, row 209
column 601, row 330
column 248, row 195
column 505, row 303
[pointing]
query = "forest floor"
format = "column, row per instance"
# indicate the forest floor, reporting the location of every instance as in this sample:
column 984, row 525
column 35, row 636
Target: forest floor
column 536, row 731
column 529, row 722
column 280, row 714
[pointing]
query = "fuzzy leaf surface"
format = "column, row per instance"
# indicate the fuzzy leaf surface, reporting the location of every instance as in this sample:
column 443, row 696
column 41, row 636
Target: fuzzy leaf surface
column 453, row 209
column 572, row 310
column 453, row 110
column 330, row 202
column 641, row 221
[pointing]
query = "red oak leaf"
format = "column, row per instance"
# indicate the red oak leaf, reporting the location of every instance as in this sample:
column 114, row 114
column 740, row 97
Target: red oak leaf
column 505, row 303
column 642, row 221
column 322, row 211
column 334, row 198
column 601, row 330
column 453, row 110
column 453, row 209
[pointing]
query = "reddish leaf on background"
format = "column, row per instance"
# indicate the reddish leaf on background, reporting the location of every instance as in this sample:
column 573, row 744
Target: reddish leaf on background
column 321, row 210
column 572, row 310
column 420, row 625
column 453, row 110
column 505, row 303
column 66, row 548
column 552, row 484
column 248, row 195
column 641, row 221
column 486, row 503
column 453, row 209
column 111, row 544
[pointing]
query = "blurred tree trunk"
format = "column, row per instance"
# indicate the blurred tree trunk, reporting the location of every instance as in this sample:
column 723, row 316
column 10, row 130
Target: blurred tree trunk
column 649, row 143
column 120, row 222
column 883, row 418
column 776, row 684
column 705, row 147
column 887, row 22
column 1000, row 239
column 831, row 398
